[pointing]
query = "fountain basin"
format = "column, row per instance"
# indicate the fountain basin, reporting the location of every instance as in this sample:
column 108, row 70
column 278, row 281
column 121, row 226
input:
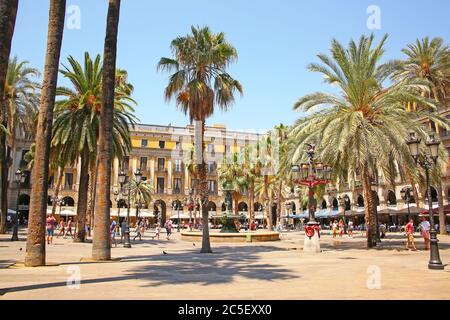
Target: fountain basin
column 218, row 237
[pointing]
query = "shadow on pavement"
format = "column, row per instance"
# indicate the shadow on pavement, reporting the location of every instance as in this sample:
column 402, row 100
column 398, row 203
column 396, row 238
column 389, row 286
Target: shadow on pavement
column 189, row 267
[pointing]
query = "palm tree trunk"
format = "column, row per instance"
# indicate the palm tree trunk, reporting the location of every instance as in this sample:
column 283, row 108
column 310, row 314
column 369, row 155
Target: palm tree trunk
column 8, row 13
column 91, row 193
column 368, row 207
column 83, row 196
column 236, row 203
column 206, row 245
column 57, row 189
column 280, row 188
column 251, row 194
column 35, row 255
column 101, row 248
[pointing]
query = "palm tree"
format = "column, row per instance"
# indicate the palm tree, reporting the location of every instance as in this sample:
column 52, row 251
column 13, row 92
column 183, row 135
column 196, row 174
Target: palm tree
column 101, row 249
column 199, row 83
column 35, row 255
column 141, row 193
column 428, row 60
column 233, row 174
column 366, row 125
column 76, row 127
column 8, row 13
column 193, row 172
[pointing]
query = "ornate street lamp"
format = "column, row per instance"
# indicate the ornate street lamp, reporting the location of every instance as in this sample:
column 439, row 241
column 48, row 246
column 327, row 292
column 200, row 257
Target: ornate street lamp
column 19, row 179
column 311, row 174
column 122, row 179
column 426, row 161
column 406, row 195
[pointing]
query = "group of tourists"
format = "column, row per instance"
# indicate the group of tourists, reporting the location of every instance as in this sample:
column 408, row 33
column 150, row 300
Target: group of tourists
column 65, row 228
column 139, row 229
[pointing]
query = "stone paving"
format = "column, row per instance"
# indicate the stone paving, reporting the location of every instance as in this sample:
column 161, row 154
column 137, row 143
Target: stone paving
column 272, row 270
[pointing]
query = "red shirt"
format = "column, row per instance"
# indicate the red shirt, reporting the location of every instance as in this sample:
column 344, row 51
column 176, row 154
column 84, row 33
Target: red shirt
column 409, row 228
column 50, row 223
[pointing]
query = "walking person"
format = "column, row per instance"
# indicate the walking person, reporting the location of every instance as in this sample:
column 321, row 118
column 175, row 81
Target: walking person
column 410, row 235
column 425, row 227
column 157, row 231
column 62, row 228
column 112, row 231
column 168, row 227
column 350, row 229
column 50, row 224
column 138, row 231
column 280, row 230
column 69, row 228
column 123, row 229
column 341, row 228
column 334, row 227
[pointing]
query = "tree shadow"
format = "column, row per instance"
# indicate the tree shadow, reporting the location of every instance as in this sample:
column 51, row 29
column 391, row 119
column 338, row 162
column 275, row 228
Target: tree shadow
column 189, row 267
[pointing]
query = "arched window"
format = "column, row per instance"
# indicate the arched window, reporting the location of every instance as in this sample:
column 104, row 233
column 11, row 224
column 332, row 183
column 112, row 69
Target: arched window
column 347, row 203
column 324, row 204
column 68, row 202
column 335, row 204
column 391, row 198
column 360, row 201
column 434, row 195
column 212, row 206
column 242, row 206
column 258, row 206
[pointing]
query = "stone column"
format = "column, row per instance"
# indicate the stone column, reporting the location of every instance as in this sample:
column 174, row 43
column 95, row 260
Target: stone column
column 134, row 166
column 152, row 172
column 186, row 180
column 116, row 174
column 169, row 177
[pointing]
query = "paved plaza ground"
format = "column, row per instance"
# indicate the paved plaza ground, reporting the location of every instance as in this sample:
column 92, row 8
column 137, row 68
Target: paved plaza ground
column 271, row 270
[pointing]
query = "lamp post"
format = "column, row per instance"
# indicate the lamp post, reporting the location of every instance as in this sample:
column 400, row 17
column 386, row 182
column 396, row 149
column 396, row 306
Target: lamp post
column 406, row 195
column 122, row 178
column 426, row 161
column 19, row 179
column 311, row 174
column 176, row 206
column 374, row 187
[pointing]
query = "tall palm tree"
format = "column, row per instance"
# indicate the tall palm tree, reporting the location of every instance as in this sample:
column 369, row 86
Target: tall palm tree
column 366, row 124
column 101, row 249
column 8, row 13
column 35, row 255
column 141, row 193
column 199, row 84
column 428, row 60
column 233, row 174
column 77, row 121
column 22, row 100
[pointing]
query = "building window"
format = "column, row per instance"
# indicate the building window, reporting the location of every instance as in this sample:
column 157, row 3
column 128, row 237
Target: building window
column 162, row 144
column 212, row 184
column 161, row 164
column 178, row 145
column 228, row 149
column 177, row 186
column 143, row 163
column 144, row 143
column 160, row 185
column 212, row 167
column 68, row 181
column 210, row 148
column 126, row 164
column 178, row 165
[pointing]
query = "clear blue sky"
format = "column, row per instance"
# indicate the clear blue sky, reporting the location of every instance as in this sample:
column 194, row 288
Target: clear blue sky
column 276, row 40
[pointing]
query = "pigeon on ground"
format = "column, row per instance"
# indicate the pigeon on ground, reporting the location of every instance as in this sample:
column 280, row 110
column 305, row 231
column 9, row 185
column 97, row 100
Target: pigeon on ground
column 164, row 252
column 20, row 249
column 193, row 244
